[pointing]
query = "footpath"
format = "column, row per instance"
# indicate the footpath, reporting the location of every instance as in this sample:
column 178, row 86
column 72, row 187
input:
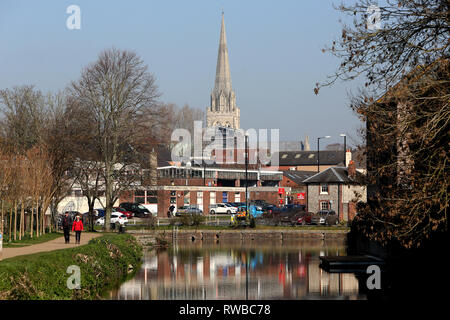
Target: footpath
column 56, row 244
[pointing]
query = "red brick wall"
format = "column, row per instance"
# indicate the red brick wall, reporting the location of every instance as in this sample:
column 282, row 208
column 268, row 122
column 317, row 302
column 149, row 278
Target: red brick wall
column 351, row 210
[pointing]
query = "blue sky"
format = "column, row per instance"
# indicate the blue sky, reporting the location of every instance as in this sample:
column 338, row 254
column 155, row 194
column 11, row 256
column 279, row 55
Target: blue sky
column 274, row 48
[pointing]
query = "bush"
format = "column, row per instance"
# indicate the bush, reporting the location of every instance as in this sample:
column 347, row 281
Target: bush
column 103, row 262
column 191, row 219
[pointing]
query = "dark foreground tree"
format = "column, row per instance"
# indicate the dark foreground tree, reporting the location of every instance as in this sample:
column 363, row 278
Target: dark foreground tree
column 404, row 62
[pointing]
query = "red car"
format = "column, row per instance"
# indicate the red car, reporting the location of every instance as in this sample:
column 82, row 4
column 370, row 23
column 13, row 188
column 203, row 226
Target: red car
column 129, row 214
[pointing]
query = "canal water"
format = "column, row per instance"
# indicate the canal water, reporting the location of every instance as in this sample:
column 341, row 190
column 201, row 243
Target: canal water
column 238, row 270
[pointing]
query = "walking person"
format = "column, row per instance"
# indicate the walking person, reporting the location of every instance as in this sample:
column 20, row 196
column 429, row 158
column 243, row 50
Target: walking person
column 77, row 226
column 170, row 212
column 66, row 226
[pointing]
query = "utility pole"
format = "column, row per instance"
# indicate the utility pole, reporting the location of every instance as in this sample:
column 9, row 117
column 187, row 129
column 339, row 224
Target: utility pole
column 318, row 151
column 246, row 173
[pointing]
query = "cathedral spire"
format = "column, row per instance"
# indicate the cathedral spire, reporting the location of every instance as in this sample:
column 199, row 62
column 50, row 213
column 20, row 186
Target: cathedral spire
column 223, row 77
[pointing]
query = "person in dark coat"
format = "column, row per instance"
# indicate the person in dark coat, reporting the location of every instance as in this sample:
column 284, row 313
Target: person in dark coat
column 66, row 224
column 170, row 212
column 77, row 226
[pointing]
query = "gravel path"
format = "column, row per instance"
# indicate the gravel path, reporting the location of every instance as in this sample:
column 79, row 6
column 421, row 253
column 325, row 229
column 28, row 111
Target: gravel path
column 51, row 245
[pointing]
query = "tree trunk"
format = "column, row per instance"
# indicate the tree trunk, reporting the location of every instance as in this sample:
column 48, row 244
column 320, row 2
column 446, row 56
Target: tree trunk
column 10, row 223
column 22, row 221
column 2, row 220
column 15, row 220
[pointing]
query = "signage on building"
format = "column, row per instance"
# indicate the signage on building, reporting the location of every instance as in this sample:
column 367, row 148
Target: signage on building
column 280, row 190
column 301, row 196
column 225, row 197
column 281, row 201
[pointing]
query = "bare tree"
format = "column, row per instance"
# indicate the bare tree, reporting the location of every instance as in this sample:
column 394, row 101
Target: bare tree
column 121, row 94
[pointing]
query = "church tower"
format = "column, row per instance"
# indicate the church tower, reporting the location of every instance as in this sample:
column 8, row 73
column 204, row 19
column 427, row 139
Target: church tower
column 223, row 111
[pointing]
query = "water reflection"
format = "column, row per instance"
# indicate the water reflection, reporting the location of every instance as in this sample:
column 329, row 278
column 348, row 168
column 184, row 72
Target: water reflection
column 269, row 270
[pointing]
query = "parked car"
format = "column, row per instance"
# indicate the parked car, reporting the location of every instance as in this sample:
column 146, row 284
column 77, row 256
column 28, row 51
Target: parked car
column 129, row 214
column 293, row 218
column 222, row 208
column 137, row 209
column 188, row 209
column 116, row 217
column 325, row 217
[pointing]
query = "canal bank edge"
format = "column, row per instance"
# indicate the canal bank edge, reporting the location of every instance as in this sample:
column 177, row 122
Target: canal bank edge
column 103, row 263
column 147, row 237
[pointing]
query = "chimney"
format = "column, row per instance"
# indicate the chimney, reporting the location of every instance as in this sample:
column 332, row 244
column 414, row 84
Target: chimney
column 153, row 168
column 352, row 170
column 348, row 157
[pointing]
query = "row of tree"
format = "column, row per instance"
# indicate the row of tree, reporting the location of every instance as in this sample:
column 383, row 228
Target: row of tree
column 97, row 133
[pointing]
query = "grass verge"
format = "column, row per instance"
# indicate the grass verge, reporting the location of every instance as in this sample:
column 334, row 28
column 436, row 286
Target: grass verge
column 104, row 263
column 28, row 241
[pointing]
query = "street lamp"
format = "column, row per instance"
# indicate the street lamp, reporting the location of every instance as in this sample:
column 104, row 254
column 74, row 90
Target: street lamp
column 318, row 149
column 345, row 147
column 246, row 173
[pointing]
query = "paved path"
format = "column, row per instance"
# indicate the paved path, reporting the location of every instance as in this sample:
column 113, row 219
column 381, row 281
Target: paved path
column 51, row 245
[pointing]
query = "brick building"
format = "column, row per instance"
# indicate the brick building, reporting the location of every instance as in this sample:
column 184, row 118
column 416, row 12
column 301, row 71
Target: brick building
column 338, row 189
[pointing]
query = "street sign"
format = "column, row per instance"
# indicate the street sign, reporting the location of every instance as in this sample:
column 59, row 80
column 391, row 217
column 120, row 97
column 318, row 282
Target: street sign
column 281, row 201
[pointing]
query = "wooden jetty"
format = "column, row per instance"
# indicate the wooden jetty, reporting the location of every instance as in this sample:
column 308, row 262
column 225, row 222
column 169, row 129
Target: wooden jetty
column 349, row 264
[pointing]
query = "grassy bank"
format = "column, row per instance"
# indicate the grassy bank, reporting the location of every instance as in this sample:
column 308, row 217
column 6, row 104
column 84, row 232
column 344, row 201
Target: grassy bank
column 28, row 241
column 104, row 262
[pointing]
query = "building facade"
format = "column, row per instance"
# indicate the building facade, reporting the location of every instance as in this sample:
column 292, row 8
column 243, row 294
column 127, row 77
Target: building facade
column 338, row 189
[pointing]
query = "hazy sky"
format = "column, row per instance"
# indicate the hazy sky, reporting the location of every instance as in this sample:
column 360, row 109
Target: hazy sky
column 274, row 48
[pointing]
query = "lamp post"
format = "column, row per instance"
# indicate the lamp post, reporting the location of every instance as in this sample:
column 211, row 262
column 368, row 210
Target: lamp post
column 246, row 173
column 318, row 151
column 345, row 147
column 204, row 169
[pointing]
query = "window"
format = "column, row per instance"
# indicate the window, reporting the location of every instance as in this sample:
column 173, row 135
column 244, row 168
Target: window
column 324, row 188
column 237, row 197
column 212, row 198
column 151, row 197
column 142, row 196
column 139, row 196
column 324, row 205
column 187, row 197
column 200, row 198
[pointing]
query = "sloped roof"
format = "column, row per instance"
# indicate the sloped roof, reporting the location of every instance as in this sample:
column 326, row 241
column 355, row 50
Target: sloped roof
column 335, row 175
column 298, row 176
column 299, row 158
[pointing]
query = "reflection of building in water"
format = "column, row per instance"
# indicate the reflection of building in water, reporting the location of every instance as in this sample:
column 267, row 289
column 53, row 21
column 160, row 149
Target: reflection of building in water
column 210, row 274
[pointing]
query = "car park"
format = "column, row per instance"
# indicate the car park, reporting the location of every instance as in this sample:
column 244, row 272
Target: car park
column 325, row 217
column 137, row 209
column 116, row 217
column 222, row 208
column 129, row 214
column 188, row 209
column 296, row 218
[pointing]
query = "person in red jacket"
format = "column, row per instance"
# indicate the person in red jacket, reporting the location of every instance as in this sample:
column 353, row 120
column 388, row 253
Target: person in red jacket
column 77, row 226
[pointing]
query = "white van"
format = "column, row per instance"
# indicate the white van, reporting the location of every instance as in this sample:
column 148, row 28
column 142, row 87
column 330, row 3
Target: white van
column 222, row 208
